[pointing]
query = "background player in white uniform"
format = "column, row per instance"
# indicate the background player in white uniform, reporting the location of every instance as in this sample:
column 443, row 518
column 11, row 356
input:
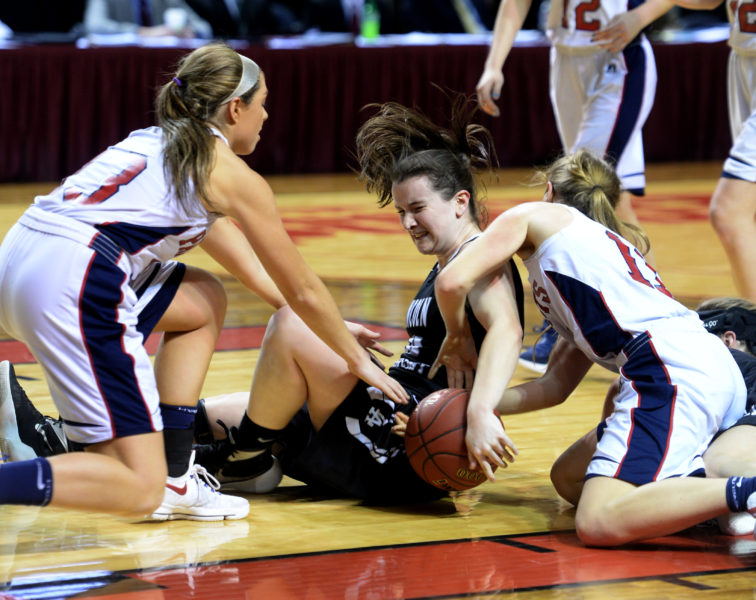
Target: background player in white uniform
column 680, row 385
column 602, row 84
column 733, row 205
column 602, row 80
column 85, row 274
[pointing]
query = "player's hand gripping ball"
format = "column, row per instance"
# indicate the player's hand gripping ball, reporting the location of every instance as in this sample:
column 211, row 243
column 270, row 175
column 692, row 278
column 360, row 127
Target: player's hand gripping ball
column 435, row 441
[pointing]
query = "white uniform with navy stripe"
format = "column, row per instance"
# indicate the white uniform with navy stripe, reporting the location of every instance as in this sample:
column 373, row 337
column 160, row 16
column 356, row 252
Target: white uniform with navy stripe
column 601, row 99
column 85, row 275
column 741, row 91
column 679, row 383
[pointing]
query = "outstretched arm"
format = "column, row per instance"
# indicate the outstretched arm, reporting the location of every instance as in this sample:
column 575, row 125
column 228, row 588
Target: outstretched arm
column 509, row 19
column 567, row 367
column 494, row 305
column 239, row 192
column 226, row 244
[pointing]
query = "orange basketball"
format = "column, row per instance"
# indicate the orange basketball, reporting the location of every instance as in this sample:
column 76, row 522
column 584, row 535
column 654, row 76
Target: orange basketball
column 435, row 441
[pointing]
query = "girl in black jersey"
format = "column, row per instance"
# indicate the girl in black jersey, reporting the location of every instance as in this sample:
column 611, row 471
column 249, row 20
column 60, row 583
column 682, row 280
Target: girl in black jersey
column 334, row 431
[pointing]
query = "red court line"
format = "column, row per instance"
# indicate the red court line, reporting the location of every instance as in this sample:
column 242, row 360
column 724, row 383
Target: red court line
column 463, row 568
column 231, row 338
column 430, row 570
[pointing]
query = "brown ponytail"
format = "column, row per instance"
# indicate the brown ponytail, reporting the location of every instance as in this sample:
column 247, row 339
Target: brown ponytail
column 398, row 143
column 185, row 107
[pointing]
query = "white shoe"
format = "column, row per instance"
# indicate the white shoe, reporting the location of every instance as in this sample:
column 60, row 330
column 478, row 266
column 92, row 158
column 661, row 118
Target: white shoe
column 11, row 447
column 741, row 523
column 195, row 496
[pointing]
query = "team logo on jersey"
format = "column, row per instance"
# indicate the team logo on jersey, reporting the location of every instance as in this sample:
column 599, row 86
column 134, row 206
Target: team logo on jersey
column 417, row 315
column 541, row 297
column 186, row 245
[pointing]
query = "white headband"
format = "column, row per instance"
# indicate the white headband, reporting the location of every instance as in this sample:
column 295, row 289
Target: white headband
column 249, row 78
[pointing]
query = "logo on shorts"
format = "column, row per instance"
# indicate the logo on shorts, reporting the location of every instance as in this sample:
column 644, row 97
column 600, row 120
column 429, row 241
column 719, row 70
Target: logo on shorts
column 40, row 479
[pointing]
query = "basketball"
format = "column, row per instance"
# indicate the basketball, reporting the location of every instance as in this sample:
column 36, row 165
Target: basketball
column 435, row 441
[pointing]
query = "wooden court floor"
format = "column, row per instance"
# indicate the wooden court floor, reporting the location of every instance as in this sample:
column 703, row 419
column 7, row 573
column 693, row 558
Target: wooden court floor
column 510, row 539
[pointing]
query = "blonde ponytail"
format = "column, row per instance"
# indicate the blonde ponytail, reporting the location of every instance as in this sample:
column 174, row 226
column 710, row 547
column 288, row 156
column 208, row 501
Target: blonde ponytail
column 591, row 185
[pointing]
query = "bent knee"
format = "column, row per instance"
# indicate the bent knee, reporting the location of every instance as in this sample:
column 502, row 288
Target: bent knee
column 727, row 213
column 720, row 217
column 596, row 531
column 200, row 300
column 283, row 323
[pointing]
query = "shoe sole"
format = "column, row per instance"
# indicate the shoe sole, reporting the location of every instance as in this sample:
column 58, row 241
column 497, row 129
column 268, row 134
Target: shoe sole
column 9, row 437
column 260, row 484
column 196, row 516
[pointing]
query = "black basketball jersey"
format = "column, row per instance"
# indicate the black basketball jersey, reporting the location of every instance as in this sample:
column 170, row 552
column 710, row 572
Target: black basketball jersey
column 355, row 453
column 426, row 331
column 747, row 364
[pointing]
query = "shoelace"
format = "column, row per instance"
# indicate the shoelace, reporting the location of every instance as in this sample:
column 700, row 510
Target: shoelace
column 201, row 473
column 543, row 329
column 231, row 434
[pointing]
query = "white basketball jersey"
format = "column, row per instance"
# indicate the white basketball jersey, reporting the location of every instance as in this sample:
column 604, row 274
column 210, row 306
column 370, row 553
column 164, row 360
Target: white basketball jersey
column 742, row 17
column 679, row 384
column 597, row 291
column 572, row 23
column 124, row 194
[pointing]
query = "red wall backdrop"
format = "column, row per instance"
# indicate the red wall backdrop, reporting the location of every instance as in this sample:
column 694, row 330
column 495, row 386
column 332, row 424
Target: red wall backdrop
column 62, row 105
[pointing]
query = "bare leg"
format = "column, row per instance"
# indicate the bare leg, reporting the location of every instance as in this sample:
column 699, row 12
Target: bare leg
column 295, row 367
column 192, row 324
column 613, row 512
column 733, row 216
column 227, row 408
column 732, row 453
column 118, row 476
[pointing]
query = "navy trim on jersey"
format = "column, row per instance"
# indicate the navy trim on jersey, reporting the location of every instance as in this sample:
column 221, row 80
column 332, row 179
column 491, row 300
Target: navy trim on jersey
column 727, row 175
column 652, row 419
column 593, row 317
column 112, row 367
column 150, row 278
column 155, row 309
column 632, row 101
column 103, row 245
column 133, row 238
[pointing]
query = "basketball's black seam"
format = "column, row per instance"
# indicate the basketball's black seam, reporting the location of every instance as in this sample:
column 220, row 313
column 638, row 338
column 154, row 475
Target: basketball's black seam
column 421, row 429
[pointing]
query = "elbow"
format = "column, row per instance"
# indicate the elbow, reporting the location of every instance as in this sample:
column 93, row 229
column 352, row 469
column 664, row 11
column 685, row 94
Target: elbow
column 449, row 285
column 303, row 298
